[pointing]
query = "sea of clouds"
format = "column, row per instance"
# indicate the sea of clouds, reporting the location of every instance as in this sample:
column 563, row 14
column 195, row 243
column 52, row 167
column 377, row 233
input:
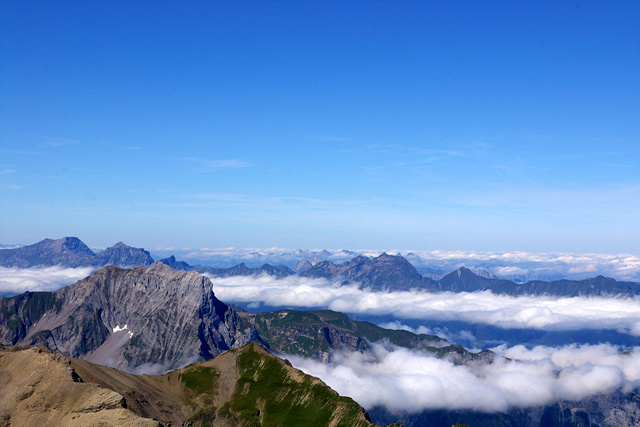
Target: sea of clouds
column 503, row 311
column 413, row 380
column 18, row 280
column 404, row 380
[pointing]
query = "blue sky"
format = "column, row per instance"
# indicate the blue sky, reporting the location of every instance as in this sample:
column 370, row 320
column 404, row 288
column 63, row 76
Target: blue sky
column 486, row 125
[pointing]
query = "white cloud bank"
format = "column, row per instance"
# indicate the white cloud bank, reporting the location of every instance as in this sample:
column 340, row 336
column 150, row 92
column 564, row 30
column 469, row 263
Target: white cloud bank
column 19, row 280
column 534, row 312
column 412, row 380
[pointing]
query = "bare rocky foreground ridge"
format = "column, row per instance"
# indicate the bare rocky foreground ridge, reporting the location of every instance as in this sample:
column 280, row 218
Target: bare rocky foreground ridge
column 242, row 387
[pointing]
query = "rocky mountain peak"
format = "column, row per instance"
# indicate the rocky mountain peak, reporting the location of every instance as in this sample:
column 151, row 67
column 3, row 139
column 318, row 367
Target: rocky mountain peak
column 67, row 251
column 128, row 317
column 381, row 273
column 308, row 262
column 123, row 255
column 464, row 271
column 72, row 244
column 176, row 265
column 302, row 266
column 464, row 280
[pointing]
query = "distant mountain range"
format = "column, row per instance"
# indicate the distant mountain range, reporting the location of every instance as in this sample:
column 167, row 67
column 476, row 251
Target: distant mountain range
column 394, row 273
column 241, row 269
column 517, row 266
column 72, row 252
column 382, row 273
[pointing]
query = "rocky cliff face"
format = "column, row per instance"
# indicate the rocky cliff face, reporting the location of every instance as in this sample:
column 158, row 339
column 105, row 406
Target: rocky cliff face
column 128, row 318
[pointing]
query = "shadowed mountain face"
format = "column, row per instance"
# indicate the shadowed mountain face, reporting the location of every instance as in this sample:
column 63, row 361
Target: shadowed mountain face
column 176, row 265
column 596, row 286
column 241, row 269
column 464, row 280
column 127, row 318
column 243, row 387
column 124, row 256
column 68, row 251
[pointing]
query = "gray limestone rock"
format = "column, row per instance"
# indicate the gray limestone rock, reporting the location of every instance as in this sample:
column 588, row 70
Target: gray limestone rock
column 128, row 318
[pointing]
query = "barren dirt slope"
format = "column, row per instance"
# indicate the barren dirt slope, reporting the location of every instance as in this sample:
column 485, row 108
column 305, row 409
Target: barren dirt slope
column 40, row 389
column 243, row 387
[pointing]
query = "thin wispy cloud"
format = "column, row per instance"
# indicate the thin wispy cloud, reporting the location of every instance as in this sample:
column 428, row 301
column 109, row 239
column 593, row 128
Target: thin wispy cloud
column 274, row 204
column 443, row 152
column 215, row 165
column 21, row 152
column 88, row 170
column 520, row 171
column 328, row 138
column 405, row 380
column 218, row 197
column 61, row 142
column 11, row 187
